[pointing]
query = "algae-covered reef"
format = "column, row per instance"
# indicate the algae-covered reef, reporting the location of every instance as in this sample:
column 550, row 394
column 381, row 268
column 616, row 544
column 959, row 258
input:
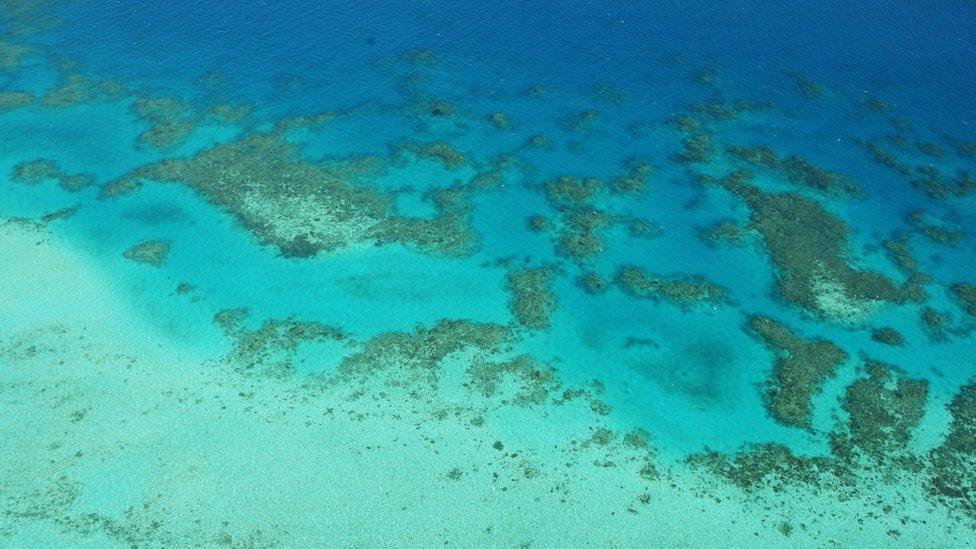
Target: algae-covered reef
column 724, row 232
column 152, row 252
column 535, row 382
column 581, row 225
column 270, row 348
column 883, row 409
column 37, row 171
column 303, row 207
column 418, row 354
column 686, row 292
column 582, row 219
column 768, row 465
column 888, row 336
column 797, row 170
column 871, row 446
column 801, row 368
column 966, row 294
column 937, row 324
column 532, row 300
column 953, row 463
column 809, row 248
column 170, row 120
column 940, row 187
column 10, row 100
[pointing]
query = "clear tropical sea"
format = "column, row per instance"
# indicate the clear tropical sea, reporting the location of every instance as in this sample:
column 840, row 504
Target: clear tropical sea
column 299, row 273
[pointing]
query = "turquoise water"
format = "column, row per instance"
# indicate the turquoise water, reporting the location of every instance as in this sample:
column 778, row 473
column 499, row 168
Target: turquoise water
column 421, row 273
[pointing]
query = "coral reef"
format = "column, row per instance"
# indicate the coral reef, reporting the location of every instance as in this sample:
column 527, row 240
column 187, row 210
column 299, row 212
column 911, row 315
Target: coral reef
column 935, row 324
column 12, row 55
column 686, row 292
column 540, row 224
column 303, row 207
column 151, row 252
column 532, row 300
column 77, row 89
column 10, row 100
column 634, row 180
column 767, row 465
column 439, row 151
column 592, row 283
column 43, row 169
column 807, row 87
column 724, row 232
column 798, row 170
column 171, row 121
column 952, row 465
column 888, row 336
column 936, row 186
column 808, row 246
column 887, row 159
column 414, row 357
column 930, row 149
column 270, row 348
column 966, row 294
column 642, row 228
column 535, row 382
column 883, row 409
column 801, row 368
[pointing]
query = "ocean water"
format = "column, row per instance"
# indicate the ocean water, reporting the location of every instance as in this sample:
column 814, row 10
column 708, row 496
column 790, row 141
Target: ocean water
column 668, row 273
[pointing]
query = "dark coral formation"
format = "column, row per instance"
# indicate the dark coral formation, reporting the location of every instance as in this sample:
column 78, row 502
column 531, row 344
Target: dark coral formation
column 887, row 159
column 10, row 100
column 448, row 233
column 888, row 336
column 12, row 55
column 303, row 207
column 171, row 121
column 930, row 149
column 966, row 295
column 270, row 348
column 634, row 180
column 883, row 409
column 768, row 465
column 540, row 224
column 226, row 113
column 933, row 183
column 152, row 252
column 535, row 382
column 439, row 151
column 807, row 87
column 797, row 170
column 936, row 324
column 580, row 231
column 642, row 228
column 77, row 89
column 952, row 465
column 686, row 292
column 592, row 283
column 414, row 357
column 901, row 254
column 808, row 246
column 582, row 236
column 532, row 300
column 43, row 169
column 802, row 367
column 724, row 232
column 942, row 235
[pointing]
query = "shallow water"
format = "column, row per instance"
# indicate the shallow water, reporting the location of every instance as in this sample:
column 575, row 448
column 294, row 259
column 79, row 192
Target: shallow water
column 694, row 273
